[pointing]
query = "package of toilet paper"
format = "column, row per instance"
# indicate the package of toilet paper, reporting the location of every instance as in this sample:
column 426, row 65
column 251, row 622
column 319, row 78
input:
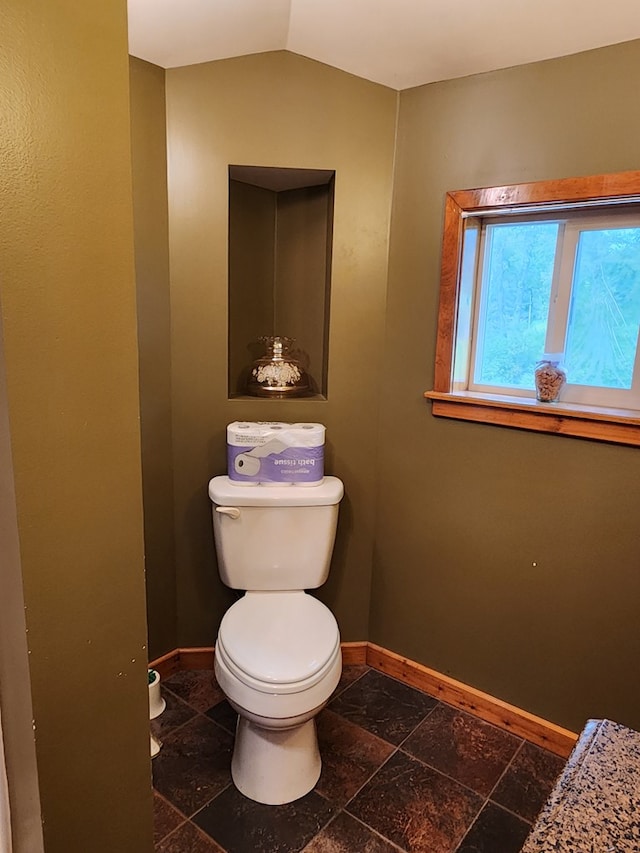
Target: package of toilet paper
column 275, row 452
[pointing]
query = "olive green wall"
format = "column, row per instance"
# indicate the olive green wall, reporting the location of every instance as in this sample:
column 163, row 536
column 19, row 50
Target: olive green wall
column 504, row 558
column 252, row 224
column 303, row 226
column 68, row 315
column 150, row 215
column 275, row 109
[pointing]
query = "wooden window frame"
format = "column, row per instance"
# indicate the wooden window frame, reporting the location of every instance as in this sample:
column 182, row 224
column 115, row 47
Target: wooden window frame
column 620, row 426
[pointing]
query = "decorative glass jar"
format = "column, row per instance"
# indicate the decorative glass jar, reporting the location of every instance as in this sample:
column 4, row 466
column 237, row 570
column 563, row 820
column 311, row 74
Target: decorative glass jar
column 277, row 373
column 549, row 378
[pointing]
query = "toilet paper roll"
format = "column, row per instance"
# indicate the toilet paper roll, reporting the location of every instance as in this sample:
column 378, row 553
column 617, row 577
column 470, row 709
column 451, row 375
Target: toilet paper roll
column 258, row 433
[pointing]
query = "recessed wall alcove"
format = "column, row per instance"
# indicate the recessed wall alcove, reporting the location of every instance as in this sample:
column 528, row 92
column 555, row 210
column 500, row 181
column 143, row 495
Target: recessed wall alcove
column 280, row 237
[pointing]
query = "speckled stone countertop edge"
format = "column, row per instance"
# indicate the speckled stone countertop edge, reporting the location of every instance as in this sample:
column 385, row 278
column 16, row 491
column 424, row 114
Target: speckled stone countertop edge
column 595, row 804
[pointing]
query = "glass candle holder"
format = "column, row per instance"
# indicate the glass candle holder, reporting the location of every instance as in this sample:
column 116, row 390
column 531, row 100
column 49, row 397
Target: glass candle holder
column 277, row 373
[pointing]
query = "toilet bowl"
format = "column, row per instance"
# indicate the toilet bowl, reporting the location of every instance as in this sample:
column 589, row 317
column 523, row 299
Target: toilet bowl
column 278, row 661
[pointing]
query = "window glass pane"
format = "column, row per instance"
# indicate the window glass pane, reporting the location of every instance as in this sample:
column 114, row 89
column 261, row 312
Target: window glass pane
column 605, row 309
column 518, row 272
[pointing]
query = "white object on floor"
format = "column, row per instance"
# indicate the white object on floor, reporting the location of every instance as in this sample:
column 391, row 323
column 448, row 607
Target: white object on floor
column 156, row 706
column 156, row 702
column 5, row 823
column 155, row 746
column 277, row 657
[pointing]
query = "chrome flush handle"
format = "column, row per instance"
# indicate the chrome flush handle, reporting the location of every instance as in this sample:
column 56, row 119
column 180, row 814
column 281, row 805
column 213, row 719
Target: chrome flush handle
column 231, row 511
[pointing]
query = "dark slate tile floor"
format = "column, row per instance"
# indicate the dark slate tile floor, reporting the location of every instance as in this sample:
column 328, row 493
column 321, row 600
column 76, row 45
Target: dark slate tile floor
column 401, row 771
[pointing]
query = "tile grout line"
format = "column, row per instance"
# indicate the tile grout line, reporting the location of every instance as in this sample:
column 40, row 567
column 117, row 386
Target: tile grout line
column 169, row 834
column 469, row 828
column 208, row 803
column 168, row 802
column 205, row 835
column 417, row 726
column 197, row 713
column 182, row 702
column 366, row 782
column 513, row 758
column 184, row 820
column 346, row 687
column 489, row 800
column 511, row 812
column 379, row 834
column 324, row 825
column 171, row 732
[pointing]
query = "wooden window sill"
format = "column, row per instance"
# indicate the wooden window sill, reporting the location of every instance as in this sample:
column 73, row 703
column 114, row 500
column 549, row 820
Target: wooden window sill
column 619, row 426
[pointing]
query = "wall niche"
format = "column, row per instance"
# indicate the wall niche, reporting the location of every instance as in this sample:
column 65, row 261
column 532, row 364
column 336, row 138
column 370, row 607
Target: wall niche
column 280, row 238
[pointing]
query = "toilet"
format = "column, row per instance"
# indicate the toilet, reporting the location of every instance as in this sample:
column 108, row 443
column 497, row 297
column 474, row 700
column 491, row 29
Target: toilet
column 277, row 656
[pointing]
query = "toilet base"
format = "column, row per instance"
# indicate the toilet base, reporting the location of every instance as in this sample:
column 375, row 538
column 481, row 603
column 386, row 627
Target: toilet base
column 275, row 766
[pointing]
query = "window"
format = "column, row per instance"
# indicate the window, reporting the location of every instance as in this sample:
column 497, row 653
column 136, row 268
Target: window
column 550, row 267
column 553, row 284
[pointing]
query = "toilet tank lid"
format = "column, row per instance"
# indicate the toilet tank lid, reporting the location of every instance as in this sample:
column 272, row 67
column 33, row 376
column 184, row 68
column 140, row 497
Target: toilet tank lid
column 224, row 492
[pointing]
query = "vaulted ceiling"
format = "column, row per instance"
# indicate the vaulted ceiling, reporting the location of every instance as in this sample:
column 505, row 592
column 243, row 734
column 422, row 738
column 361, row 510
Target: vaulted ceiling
column 399, row 43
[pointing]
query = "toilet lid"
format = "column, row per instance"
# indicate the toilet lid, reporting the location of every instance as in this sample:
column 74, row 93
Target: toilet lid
column 278, row 638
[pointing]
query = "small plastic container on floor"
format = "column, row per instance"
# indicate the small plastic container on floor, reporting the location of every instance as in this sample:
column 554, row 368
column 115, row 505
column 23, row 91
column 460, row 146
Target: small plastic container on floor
column 156, row 706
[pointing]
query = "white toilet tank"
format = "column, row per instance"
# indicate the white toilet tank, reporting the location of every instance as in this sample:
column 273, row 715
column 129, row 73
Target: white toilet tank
column 273, row 537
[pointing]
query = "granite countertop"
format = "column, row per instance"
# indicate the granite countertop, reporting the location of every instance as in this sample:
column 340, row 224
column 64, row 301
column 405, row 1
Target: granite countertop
column 595, row 805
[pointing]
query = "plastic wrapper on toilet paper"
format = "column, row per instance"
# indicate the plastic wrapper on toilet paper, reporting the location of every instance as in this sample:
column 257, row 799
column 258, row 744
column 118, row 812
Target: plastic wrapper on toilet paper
column 275, row 452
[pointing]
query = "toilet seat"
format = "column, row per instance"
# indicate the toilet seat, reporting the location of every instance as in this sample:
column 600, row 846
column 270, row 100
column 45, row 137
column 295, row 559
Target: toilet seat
column 278, row 642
